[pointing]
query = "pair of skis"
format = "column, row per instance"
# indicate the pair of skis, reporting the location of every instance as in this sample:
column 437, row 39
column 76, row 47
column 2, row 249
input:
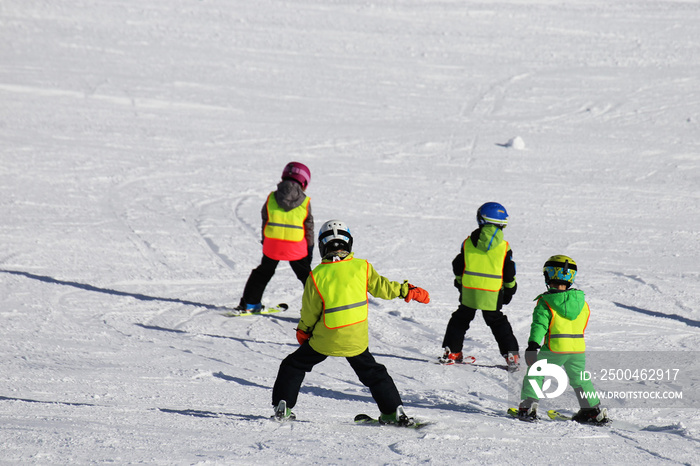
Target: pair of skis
column 242, row 311
column 450, row 362
column 364, row 419
column 555, row 415
column 369, row 420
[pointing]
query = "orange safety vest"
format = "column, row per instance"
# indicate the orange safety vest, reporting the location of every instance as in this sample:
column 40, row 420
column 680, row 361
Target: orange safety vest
column 284, row 234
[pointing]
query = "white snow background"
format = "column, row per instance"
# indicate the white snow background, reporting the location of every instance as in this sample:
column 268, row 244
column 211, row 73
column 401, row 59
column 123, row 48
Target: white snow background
column 140, row 138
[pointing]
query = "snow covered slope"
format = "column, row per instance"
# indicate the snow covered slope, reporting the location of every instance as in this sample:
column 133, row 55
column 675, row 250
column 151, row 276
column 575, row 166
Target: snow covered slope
column 141, row 137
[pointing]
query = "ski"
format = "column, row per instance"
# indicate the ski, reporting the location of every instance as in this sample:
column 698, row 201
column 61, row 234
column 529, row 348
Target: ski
column 449, row 362
column 366, row 419
column 241, row 312
column 555, row 415
column 513, row 412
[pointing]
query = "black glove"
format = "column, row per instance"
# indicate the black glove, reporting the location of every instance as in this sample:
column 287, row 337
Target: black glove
column 508, row 293
column 458, row 285
column 531, row 353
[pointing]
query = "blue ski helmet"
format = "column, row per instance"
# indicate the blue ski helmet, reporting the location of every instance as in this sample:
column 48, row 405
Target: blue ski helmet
column 493, row 213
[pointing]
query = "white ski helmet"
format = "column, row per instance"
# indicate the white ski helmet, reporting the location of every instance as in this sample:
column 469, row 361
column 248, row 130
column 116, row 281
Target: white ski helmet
column 334, row 235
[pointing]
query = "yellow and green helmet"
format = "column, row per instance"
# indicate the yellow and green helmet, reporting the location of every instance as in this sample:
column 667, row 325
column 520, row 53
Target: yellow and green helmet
column 559, row 270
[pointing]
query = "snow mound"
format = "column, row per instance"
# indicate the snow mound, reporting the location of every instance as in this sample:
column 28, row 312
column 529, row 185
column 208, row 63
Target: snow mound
column 516, row 143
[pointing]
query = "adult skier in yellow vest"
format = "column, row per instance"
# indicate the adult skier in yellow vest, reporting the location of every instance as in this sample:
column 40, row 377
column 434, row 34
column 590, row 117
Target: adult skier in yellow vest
column 333, row 322
column 287, row 234
column 560, row 319
column 485, row 275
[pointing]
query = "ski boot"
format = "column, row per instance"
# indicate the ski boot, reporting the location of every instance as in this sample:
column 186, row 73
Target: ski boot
column 254, row 307
column 398, row 418
column 450, row 358
column 513, row 362
column 245, row 307
column 528, row 413
column 593, row 415
column 282, row 413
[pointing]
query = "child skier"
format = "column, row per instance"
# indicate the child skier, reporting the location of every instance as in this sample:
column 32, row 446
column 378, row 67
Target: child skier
column 560, row 318
column 333, row 322
column 485, row 275
column 287, row 234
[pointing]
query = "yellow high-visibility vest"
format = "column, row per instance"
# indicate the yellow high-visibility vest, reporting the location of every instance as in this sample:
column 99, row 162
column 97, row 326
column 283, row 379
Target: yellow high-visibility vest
column 342, row 287
column 284, row 231
column 482, row 278
column 567, row 336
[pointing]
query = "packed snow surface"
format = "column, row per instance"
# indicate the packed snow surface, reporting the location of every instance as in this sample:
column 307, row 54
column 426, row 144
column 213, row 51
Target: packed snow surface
column 140, row 139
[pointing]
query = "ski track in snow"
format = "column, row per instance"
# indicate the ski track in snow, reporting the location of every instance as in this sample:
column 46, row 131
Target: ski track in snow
column 141, row 138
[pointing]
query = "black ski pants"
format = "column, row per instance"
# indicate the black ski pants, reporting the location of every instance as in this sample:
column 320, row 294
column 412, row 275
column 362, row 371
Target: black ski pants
column 372, row 374
column 262, row 274
column 497, row 321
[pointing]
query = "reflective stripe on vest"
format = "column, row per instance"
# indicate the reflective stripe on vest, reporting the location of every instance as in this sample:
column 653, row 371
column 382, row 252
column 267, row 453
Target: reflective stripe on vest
column 284, row 231
column 567, row 336
column 483, row 270
column 342, row 286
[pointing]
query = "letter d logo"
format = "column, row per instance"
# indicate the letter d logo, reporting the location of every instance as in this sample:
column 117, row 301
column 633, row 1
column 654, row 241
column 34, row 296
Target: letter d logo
column 543, row 369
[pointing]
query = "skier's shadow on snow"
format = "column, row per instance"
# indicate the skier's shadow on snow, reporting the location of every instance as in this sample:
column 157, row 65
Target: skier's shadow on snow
column 685, row 320
column 201, row 413
column 211, row 335
column 396, row 356
column 29, row 400
column 239, row 381
column 310, row 390
column 139, row 296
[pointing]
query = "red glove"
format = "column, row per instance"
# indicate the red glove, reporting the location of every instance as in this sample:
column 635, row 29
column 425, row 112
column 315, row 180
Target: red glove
column 302, row 336
column 417, row 294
